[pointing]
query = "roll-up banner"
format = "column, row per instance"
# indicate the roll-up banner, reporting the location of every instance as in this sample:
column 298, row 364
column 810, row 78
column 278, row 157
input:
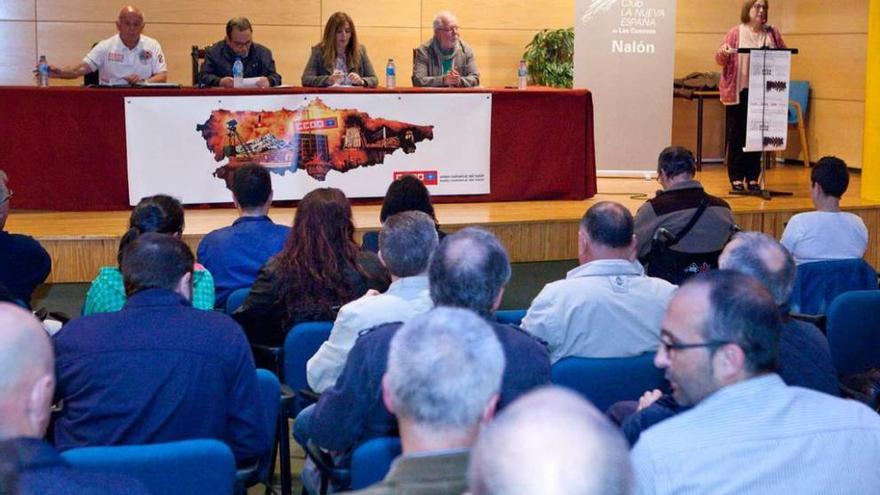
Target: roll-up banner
column 189, row 147
column 625, row 55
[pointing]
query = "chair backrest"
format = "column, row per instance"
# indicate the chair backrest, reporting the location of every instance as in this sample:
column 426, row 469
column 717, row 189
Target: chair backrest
column 183, row 468
column 798, row 91
column 198, row 57
column 269, row 390
column 510, row 316
column 302, row 342
column 818, row 283
column 235, row 299
column 853, row 330
column 604, row 381
column 370, row 241
column 371, row 461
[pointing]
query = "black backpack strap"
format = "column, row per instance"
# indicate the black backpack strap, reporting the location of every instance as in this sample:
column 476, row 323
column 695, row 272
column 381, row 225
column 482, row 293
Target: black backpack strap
column 693, row 221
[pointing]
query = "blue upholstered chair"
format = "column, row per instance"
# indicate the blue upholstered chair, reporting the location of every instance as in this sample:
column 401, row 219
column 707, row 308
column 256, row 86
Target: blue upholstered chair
column 302, row 342
column 510, row 316
column 604, row 381
column 799, row 103
column 818, row 283
column 236, row 298
column 853, row 329
column 371, row 461
column 269, row 390
column 189, row 467
column 370, row 241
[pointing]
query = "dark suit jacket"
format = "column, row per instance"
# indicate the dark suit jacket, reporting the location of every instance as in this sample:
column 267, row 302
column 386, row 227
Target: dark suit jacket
column 219, row 59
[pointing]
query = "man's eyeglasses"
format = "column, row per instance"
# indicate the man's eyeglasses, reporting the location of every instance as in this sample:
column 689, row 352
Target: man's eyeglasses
column 449, row 29
column 8, row 196
column 668, row 347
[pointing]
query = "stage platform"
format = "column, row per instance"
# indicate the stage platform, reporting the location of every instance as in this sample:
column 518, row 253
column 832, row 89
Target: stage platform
column 80, row 242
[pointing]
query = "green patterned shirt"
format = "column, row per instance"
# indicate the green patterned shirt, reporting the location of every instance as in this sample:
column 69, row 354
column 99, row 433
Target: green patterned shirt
column 107, row 292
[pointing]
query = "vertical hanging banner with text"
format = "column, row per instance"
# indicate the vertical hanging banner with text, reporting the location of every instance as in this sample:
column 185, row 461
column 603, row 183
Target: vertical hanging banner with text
column 625, row 55
column 767, row 119
column 189, row 147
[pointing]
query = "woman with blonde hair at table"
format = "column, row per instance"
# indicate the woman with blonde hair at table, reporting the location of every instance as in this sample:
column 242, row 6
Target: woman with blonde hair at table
column 339, row 60
column 752, row 32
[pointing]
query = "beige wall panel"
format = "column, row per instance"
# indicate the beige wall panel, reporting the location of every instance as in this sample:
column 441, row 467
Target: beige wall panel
column 18, row 10
column 498, row 54
column 700, row 16
column 684, row 126
column 503, row 14
column 19, row 43
column 834, row 64
column 397, row 13
column 821, row 16
column 696, row 53
column 277, row 12
column 396, row 43
column 836, row 128
column 66, row 43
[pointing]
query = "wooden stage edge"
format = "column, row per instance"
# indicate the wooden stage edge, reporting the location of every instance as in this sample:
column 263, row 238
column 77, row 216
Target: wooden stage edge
column 81, row 242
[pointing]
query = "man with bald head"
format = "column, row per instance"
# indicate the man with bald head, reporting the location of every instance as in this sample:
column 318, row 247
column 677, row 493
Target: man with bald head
column 128, row 57
column 553, row 442
column 445, row 60
column 748, row 432
column 27, row 384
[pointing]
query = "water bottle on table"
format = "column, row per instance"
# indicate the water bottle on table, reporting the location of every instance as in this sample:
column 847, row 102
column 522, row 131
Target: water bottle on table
column 390, row 73
column 43, row 72
column 523, row 75
column 237, row 74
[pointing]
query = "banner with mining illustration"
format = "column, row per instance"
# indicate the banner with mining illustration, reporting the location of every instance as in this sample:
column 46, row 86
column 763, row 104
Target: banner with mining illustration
column 189, row 147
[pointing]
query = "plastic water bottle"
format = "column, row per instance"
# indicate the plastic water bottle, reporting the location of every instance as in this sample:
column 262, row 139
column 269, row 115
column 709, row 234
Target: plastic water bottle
column 237, row 74
column 43, row 72
column 523, row 75
column 390, row 72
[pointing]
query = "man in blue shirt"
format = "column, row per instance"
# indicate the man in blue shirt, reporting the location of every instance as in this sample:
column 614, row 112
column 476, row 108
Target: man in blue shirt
column 748, row 432
column 26, row 386
column 235, row 254
column 159, row 370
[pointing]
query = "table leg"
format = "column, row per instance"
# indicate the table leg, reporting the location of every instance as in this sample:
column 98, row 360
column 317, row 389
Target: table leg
column 699, row 133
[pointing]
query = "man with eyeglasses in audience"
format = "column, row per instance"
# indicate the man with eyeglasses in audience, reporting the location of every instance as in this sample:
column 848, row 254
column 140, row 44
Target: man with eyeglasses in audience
column 748, row 432
column 24, row 263
column 445, row 60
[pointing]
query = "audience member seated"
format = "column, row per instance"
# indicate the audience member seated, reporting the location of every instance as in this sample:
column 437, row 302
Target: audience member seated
column 234, row 255
column 339, row 59
column 24, row 264
column 159, row 370
column 442, row 382
column 127, row 57
column 445, row 60
column 552, row 442
column 676, row 206
column 319, row 270
column 804, row 356
column 748, row 432
column 827, row 233
column 607, row 307
column 469, row 270
column 26, row 387
column 406, row 244
column 162, row 214
column 256, row 59
column 404, row 194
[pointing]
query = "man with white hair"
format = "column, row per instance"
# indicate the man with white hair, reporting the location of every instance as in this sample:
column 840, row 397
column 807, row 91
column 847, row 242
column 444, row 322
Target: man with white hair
column 445, row 60
column 442, row 382
column 571, row 449
column 128, row 57
column 27, row 383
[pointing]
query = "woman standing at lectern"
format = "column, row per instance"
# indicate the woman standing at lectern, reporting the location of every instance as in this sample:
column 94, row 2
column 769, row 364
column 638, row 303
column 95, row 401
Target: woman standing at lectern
column 743, row 168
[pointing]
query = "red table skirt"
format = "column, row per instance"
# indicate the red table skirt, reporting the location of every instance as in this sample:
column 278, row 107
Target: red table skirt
column 64, row 148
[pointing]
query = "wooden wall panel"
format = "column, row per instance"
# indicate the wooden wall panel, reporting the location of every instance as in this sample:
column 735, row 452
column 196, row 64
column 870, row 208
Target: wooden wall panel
column 684, row 126
column 700, row 16
column 821, row 16
column 696, row 53
column 19, row 44
column 834, row 64
column 265, row 12
column 498, row 53
column 506, row 14
column 17, row 10
column 389, row 13
column 836, row 128
column 396, row 43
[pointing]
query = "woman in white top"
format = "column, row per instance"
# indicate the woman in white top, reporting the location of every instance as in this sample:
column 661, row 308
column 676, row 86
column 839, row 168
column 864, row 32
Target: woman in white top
column 339, row 60
column 827, row 233
column 753, row 32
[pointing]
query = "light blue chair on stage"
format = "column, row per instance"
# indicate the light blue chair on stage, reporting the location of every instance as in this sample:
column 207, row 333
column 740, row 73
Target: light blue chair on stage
column 798, row 105
column 188, row 467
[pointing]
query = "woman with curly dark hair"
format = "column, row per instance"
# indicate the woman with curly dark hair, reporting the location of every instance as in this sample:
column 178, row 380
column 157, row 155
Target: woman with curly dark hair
column 319, row 270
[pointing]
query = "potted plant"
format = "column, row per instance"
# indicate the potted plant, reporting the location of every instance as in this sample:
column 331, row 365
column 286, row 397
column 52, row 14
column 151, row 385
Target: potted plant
column 550, row 58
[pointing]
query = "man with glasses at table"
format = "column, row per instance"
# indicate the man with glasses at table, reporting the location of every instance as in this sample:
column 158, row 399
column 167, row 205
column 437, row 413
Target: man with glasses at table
column 24, row 264
column 748, row 432
column 445, row 60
